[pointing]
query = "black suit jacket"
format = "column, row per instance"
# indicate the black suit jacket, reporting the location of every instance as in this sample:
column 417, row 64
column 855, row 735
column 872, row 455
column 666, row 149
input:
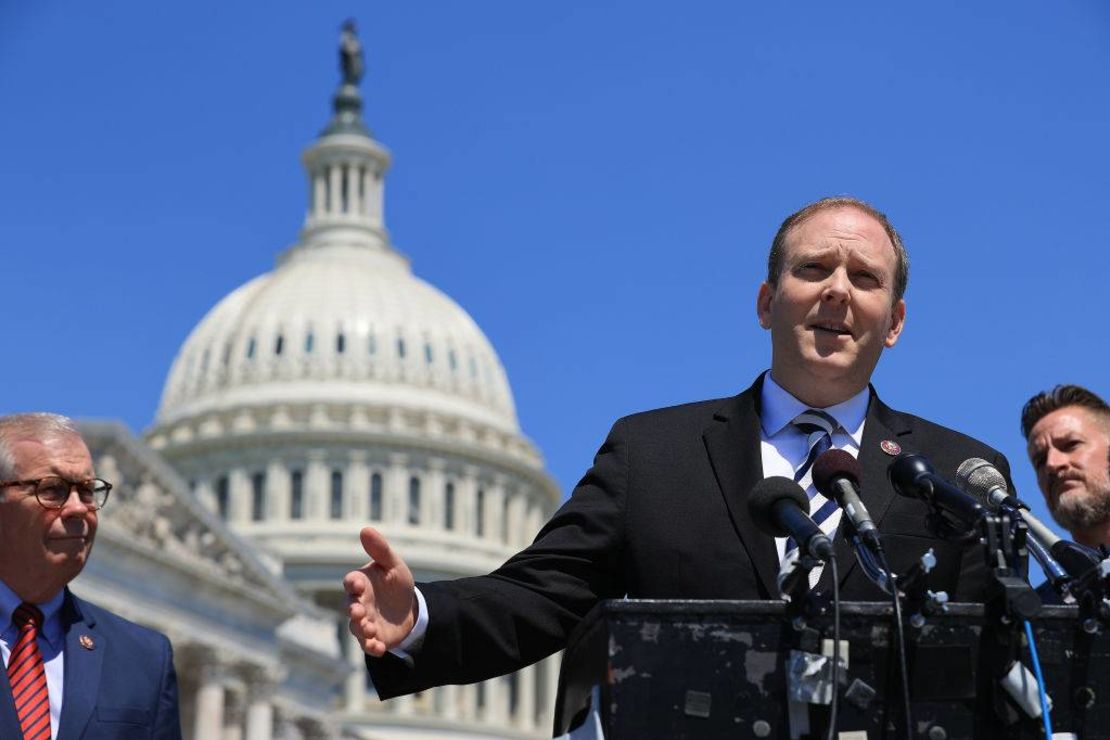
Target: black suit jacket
column 119, row 681
column 662, row 514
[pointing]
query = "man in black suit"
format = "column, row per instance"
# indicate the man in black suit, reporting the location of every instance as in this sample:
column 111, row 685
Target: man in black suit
column 662, row 513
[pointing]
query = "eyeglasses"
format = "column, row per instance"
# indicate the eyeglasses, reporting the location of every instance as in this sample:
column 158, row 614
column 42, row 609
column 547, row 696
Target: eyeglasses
column 53, row 491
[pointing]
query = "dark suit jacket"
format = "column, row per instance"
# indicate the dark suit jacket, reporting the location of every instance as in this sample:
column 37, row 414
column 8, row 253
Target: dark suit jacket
column 662, row 514
column 123, row 688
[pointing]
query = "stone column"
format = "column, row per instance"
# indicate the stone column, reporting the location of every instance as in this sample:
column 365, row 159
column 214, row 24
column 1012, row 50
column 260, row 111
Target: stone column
column 260, row 684
column 396, row 494
column 319, row 195
column 432, row 495
column 515, row 510
column 335, row 172
column 239, row 496
column 234, row 714
column 317, row 486
column 354, row 686
column 353, row 194
column 525, row 716
column 209, row 722
column 277, row 498
column 356, row 488
column 550, row 667
column 495, row 509
column 467, row 702
column 450, row 702
column 466, row 487
column 205, row 492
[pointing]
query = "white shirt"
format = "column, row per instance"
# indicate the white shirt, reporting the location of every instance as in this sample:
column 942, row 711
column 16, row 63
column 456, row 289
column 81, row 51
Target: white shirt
column 51, row 641
column 784, row 447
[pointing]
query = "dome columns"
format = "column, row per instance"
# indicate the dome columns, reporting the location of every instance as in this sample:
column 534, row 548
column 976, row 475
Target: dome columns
column 346, row 186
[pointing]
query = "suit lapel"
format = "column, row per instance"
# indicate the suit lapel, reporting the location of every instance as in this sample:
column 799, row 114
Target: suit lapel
column 732, row 443
column 883, row 424
column 9, row 720
column 84, row 653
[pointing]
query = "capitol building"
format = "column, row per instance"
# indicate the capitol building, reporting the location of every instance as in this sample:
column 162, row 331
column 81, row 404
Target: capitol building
column 335, row 390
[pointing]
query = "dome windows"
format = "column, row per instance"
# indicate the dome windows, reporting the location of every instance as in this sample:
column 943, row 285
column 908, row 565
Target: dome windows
column 449, row 506
column 340, row 343
column 335, row 508
column 250, row 348
column 309, row 341
column 258, row 497
column 296, row 494
column 279, row 345
column 414, row 501
column 376, row 497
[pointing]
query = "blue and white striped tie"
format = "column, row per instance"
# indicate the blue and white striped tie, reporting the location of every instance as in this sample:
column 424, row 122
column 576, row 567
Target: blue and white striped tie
column 818, row 427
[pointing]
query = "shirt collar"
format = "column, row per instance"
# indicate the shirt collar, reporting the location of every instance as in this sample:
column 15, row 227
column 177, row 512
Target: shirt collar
column 779, row 408
column 51, row 613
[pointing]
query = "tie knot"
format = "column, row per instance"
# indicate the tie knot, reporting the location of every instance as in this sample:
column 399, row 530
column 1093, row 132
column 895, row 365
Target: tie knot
column 815, row 420
column 27, row 614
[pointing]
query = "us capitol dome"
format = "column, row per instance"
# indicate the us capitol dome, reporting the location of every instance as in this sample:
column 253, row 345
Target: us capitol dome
column 340, row 389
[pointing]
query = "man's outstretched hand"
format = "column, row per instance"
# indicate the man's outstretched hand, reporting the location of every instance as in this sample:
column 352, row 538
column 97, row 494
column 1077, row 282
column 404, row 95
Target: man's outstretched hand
column 381, row 597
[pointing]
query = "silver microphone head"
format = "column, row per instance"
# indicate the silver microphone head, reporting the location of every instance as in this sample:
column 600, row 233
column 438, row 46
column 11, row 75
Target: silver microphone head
column 979, row 478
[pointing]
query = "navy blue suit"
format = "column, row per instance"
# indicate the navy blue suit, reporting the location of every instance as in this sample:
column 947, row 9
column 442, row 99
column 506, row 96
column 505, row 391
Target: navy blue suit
column 119, row 684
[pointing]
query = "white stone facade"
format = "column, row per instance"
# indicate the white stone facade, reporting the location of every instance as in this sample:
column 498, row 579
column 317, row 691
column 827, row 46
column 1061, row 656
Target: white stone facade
column 335, row 391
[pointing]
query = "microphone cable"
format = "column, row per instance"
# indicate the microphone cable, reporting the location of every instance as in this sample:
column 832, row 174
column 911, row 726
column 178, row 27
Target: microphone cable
column 836, row 651
column 900, row 639
column 1040, row 680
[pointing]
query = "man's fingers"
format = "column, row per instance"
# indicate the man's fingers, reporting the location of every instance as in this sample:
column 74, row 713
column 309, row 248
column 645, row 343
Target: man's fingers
column 377, row 547
column 356, row 584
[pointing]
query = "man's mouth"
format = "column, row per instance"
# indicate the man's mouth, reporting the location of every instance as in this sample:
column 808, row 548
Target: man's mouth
column 834, row 328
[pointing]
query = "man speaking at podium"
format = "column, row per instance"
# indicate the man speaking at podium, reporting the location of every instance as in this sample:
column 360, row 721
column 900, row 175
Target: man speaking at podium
column 662, row 513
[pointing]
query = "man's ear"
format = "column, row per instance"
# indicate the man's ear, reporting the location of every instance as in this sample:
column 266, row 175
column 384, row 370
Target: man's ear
column 763, row 304
column 897, row 322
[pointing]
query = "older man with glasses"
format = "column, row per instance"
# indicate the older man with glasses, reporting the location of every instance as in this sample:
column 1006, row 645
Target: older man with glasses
column 73, row 670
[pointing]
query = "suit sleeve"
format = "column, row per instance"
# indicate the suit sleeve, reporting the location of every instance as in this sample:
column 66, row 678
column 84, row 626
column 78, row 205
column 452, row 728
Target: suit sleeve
column 167, row 722
column 491, row 625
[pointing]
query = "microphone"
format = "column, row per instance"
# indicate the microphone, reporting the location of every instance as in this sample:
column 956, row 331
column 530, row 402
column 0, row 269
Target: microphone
column 779, row 507
column 836, row 474
column 913, row 476
column 984, row 481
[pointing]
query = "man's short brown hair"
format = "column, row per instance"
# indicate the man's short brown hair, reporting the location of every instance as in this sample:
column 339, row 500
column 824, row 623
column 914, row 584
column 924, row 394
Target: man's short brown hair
column 1045, row 402
column 778, row 245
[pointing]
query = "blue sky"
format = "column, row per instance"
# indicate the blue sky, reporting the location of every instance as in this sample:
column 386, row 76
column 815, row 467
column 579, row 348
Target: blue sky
column 596, row 184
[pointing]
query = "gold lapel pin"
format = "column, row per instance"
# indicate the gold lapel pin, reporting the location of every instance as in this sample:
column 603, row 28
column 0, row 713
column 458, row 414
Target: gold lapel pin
column 86, row 642
column 890, row 447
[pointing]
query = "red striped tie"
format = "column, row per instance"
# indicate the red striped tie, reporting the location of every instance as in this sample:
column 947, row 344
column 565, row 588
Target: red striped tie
column 27, row 675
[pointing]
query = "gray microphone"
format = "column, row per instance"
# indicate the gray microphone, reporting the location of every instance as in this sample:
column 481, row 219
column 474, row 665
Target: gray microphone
column 979, row 478
column 986, row 483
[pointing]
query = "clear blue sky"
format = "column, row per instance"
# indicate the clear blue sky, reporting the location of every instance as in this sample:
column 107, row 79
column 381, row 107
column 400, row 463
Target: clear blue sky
column 597, row 185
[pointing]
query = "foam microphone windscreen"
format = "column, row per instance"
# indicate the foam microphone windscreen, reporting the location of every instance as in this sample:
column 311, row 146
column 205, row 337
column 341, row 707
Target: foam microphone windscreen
column 831, row 464
column 768, row 492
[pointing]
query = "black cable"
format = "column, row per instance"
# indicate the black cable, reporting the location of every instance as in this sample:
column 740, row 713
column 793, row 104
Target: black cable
column 836, row 651
column 900, row 638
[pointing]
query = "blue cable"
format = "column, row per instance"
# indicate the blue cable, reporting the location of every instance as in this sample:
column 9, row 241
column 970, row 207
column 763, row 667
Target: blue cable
column 1040, row 680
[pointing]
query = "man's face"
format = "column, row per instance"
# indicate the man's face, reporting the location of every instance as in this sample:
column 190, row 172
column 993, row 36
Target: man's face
column 833, row 310
column 42, row 549
column 1070, row 452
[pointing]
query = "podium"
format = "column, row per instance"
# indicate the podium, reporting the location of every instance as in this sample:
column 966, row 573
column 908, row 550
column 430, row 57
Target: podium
column 751, row 669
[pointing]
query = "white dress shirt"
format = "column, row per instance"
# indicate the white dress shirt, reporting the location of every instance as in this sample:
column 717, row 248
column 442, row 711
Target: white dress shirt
column 784, row 447
column 51, row 641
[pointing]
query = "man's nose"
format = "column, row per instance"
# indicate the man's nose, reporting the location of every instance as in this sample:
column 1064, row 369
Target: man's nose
column 1055, row 460
column 838, row 287
column 73, row 505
